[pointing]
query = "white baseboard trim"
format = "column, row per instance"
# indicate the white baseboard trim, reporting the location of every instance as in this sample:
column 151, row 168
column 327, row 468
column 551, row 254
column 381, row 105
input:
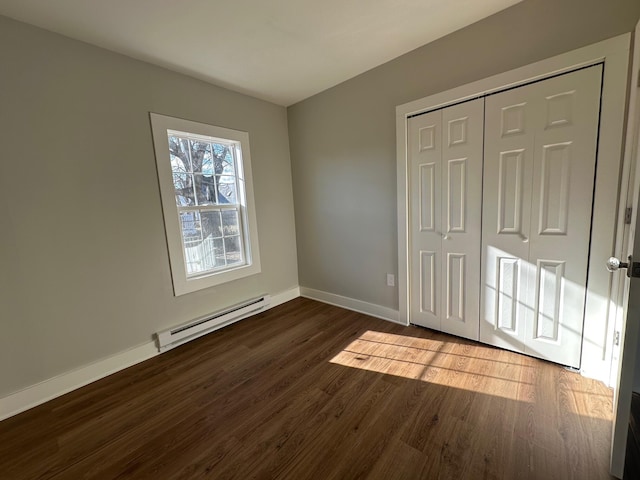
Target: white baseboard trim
column 51, row 388
column 284, row 297
column 359, row 306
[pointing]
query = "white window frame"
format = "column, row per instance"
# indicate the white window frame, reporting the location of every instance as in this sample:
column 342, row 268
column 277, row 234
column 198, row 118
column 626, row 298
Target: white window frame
column 161, row 126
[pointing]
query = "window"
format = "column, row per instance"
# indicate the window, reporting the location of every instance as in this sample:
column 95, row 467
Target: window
column 207, row 199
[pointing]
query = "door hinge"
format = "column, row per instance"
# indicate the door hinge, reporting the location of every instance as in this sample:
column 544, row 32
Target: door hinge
column 616, row 339
column 627, row 215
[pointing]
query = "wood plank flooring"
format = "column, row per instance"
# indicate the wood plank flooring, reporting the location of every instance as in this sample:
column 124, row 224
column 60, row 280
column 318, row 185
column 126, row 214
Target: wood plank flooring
column 311, row 391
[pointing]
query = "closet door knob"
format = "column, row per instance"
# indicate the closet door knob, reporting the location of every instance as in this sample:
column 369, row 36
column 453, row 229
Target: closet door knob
column 633, row 268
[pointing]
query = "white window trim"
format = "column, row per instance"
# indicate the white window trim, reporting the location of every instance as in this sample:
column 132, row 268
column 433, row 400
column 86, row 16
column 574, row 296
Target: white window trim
column 182, row 284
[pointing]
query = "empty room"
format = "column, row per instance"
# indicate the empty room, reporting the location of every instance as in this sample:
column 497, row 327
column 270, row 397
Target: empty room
column 320, row 240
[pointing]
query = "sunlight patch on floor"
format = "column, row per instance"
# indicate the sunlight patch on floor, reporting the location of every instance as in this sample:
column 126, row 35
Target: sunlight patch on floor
column 473, row 367
column 457, row 365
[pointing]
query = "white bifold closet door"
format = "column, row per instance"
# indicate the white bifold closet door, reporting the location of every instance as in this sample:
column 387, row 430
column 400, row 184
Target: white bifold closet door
column 539, row 168
column 445, row 156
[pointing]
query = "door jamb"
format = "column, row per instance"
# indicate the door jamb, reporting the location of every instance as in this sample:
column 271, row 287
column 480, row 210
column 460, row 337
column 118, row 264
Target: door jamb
column 623, row 368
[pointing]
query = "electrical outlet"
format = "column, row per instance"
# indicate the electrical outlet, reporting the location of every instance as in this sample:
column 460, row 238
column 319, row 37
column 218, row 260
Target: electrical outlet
column 391, row 280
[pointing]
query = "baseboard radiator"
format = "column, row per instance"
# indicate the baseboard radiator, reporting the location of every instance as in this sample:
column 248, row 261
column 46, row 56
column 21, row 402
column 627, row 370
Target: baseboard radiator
column 184, row 333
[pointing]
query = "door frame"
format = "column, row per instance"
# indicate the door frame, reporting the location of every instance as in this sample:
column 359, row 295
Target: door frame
column 625, row 361
column 602, row 289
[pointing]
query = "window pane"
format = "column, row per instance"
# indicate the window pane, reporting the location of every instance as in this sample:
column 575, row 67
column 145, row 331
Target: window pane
column 211, row 254
column 211, row 224
column 205, row 190
column 190, row 224
column 219, row 252
column 182, row 183
column 227, row 162
column 234, row 251
column 204, row 249
column 203, row 252
column 230, row 225
column 203, row 256
column 178, row 164
column 179, row 153
column 227, row 190
column 227, row 168
column 201, row 157
column 223, row 159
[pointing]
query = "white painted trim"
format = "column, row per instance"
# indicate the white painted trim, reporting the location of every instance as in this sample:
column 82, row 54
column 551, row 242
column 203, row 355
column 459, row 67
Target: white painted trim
column 402, row 191
column 59, row 385
column 182, row 283
column 51, row 388
column 562, row 63
column 614, row 53
column 284, row 297
column 624, row 364
column 359, row 306
column 597, row 344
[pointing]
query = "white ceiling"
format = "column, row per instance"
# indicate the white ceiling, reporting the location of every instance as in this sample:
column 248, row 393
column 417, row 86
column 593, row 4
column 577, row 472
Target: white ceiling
column 278, row 50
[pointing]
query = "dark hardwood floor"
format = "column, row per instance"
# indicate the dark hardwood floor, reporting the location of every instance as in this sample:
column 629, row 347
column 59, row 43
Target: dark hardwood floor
column 311, row 391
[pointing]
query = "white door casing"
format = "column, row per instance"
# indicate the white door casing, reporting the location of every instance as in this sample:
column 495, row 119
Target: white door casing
column 630, row 328
column 614, row 54
column 625, row 354
column 540, row 151
column 445, row 157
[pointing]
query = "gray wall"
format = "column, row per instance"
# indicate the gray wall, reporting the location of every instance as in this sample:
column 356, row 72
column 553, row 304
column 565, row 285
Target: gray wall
column 343, row 140
column 84, row 269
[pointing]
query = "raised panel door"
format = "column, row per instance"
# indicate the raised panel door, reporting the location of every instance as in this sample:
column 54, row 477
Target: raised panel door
column 506, row 207
column 462, row 153
column 445, row 161
column 425, row 164
column 567, row 118
column 540, row 151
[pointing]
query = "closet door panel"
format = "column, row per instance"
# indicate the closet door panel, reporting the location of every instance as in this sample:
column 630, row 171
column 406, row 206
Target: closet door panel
column 540, row 150
column 506, row 206
column 462, row 152
column 425, row 236
column 563, row 182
